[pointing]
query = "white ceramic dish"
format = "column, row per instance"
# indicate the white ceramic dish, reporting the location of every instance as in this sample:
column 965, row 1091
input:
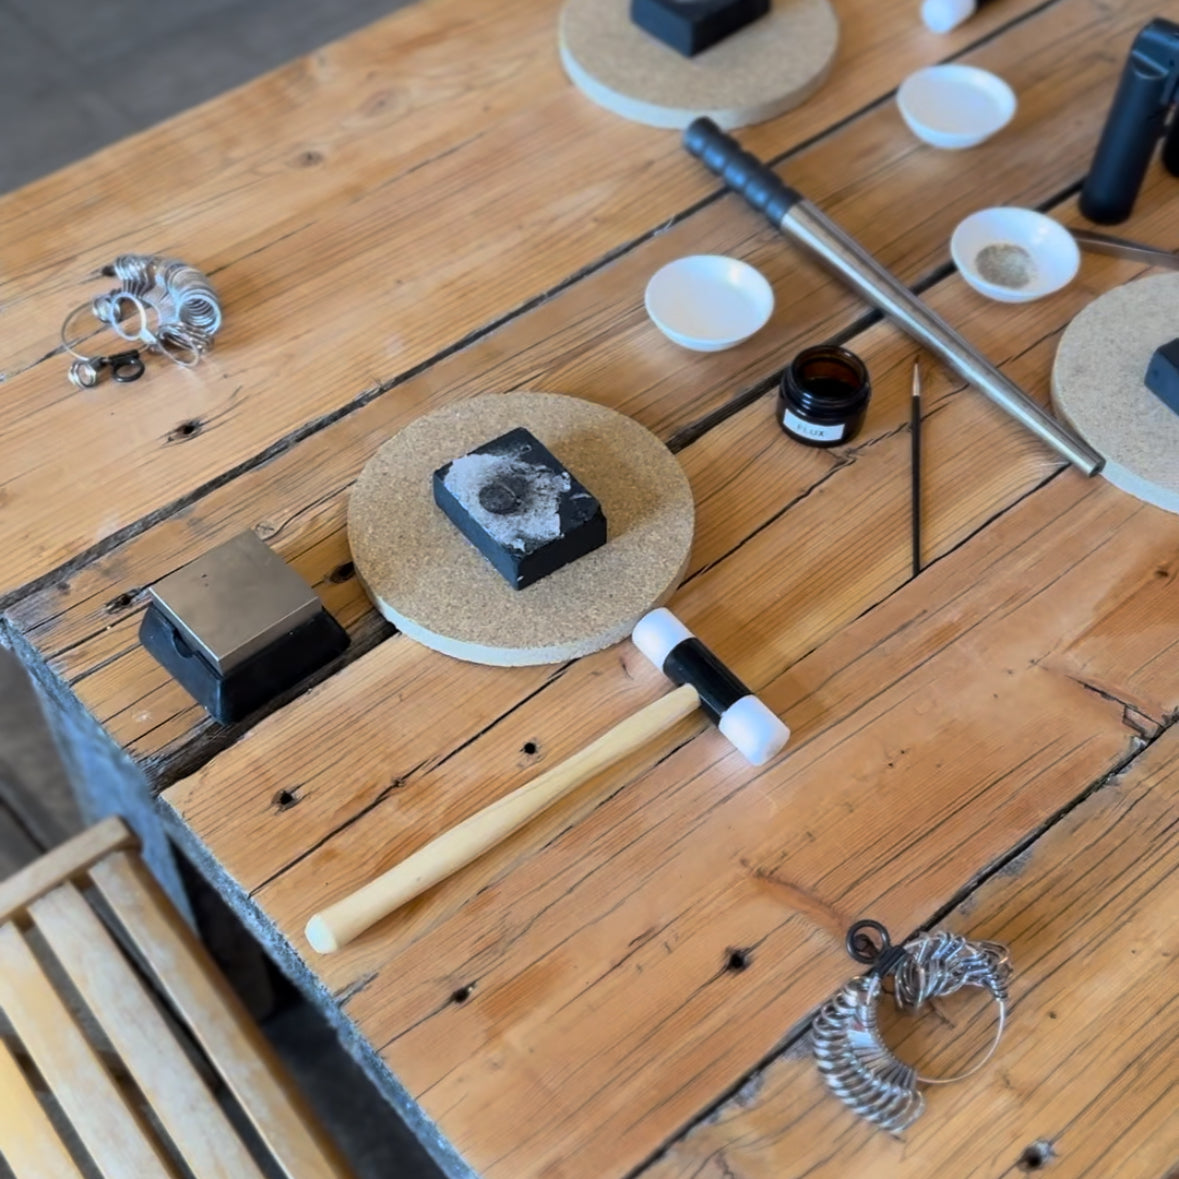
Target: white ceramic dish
column 955, row 106
column 707, row 302
column 1055, row 257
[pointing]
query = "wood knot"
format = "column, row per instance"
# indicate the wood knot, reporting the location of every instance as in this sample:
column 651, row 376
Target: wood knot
column 342, row 573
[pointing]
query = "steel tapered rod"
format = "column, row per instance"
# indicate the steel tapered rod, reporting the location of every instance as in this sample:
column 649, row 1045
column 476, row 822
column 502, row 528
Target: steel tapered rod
column 801, row 221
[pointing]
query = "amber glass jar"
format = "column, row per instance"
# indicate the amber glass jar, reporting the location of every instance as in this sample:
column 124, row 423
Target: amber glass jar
column 824, row 396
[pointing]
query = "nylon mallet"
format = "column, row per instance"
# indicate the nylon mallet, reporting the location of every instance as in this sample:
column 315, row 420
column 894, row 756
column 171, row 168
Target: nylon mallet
column 703, row 682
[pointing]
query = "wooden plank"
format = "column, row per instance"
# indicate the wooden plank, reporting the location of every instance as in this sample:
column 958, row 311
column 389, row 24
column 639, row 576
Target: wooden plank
column 217, row 1021
column 423, row 747
column 118, row 1145
column 353, row 284
column 28, row 1142
column 69, row 860
column 598, row 947
column 593, row 340
column 1084, row 1081
column 419, row 710
column 127, row 1014
column 597, row 941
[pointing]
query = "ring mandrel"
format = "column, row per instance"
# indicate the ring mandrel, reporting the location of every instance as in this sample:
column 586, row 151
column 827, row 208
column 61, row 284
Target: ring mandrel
column 796, row 218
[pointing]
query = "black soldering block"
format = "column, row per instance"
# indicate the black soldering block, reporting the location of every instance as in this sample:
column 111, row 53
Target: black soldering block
column 691, row 26
column 520, row 507
column 1162, row 374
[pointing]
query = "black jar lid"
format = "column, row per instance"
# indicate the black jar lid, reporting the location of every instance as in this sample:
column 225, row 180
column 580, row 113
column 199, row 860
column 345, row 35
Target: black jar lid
column 827, row 382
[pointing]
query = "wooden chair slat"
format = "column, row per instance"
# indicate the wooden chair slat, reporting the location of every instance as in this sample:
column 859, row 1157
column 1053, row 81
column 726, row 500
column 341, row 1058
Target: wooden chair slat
column 189, row 1113
column 115, row 1140
column 62, row 863
column 216, row 1018
column 28, row 1142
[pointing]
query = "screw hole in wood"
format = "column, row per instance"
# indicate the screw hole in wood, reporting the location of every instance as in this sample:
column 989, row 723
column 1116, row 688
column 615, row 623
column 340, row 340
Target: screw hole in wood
column 186, row 430
column 1035, row 1156
column 121, row 601
column 530, row 747
column 738, row 960
column 463, row 993
column 285, row 799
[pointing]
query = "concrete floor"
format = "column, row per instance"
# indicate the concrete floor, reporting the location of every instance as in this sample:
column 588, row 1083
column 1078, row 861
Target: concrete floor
column 76, row 75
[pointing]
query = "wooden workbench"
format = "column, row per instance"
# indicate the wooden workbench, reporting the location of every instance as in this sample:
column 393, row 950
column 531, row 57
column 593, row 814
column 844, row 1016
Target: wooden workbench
column 428, row 210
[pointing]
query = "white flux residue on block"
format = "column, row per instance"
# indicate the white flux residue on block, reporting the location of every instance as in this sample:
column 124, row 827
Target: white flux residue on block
column 539, row 517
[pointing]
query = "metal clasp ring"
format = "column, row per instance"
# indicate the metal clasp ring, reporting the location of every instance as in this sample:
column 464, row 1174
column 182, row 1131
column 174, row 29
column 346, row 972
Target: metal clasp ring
column 125, row 367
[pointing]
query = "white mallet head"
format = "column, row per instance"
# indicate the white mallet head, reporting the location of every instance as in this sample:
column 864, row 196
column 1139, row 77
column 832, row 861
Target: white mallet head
column 755, row 731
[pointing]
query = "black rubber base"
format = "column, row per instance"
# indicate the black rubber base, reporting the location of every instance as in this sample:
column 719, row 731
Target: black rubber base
column 259, row 679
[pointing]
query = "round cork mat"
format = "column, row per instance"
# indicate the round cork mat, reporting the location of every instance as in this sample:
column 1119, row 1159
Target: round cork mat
column 1098, row 387
column 435, row 586
column 771, row 65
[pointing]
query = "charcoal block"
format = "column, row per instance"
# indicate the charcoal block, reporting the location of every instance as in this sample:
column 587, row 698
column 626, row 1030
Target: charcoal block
column 691, row 26
column 515, row 502
column 1162, row 374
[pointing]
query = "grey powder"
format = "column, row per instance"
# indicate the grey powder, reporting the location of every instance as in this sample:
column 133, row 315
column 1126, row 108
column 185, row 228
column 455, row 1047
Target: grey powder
column 1005, row 264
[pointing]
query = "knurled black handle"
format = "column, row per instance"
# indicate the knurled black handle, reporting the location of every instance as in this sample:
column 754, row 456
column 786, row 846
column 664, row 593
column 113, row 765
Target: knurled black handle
column 742, row 171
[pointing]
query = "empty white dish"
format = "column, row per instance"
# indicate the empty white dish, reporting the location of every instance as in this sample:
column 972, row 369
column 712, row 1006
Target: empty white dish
column 1031, row 254
column 707, row 302
column 955, row 106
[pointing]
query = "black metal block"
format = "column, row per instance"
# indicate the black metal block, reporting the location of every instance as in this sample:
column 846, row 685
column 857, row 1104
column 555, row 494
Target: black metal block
column 691, row 26
column 237, row 627
column 515, row 502
column 1162, row 374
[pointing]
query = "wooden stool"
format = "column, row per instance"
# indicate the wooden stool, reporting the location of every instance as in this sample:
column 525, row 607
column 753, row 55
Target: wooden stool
column 91, row 906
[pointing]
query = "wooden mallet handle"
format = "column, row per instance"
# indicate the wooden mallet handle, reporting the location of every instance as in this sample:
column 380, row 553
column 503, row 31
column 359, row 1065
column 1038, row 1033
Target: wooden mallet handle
column 338, row 924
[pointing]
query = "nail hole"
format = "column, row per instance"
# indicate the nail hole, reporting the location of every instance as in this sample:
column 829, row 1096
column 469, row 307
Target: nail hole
column 285, row 799
column 738, row 960
column 308, row 159
column 463, row 993
column 121, row 601
column 185, row 430
column 342, row 573
column 1036, row 1155
column 530, row 747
